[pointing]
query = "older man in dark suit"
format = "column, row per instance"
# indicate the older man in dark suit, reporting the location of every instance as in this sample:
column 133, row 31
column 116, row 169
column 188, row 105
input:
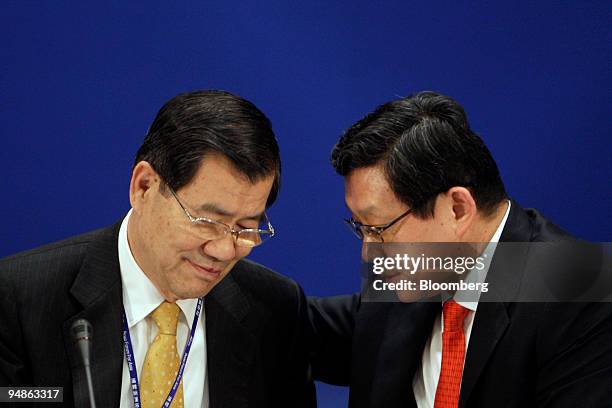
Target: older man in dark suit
column 416, row 173
column 160, row 280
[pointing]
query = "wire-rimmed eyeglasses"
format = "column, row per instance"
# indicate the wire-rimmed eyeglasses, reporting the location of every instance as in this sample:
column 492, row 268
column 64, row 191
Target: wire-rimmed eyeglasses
column 212, row 230
column 373, row 232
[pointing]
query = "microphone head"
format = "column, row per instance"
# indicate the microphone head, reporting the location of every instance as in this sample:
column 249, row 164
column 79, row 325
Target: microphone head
column 81, row 329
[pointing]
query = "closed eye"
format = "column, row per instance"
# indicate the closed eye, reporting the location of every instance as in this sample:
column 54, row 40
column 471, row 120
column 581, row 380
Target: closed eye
column 242, row 227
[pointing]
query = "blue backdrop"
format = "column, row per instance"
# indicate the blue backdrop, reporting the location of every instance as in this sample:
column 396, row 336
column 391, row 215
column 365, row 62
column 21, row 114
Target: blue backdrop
column 81, row 82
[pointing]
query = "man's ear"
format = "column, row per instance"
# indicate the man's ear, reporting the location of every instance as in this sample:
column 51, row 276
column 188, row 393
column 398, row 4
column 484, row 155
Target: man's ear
column 143, row 179
column 464, row 209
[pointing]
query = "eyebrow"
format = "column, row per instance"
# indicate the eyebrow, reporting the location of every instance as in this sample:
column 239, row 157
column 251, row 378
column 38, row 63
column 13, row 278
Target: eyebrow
column 218, row 210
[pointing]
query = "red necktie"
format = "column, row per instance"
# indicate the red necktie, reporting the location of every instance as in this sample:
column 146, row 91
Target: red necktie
column 453, row 356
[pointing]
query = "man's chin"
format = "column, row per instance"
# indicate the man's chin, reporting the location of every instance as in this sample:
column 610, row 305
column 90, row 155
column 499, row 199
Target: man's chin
column 195, row 291
column 193, row 288
column 197, row 281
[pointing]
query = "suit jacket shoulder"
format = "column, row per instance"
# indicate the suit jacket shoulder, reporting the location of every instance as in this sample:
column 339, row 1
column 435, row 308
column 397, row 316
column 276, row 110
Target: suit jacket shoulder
column 49, row 268
column 41, row 292
column 265, row 284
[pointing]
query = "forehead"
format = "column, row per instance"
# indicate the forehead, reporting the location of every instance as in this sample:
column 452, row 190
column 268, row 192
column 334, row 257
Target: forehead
column 218, row 182
column 368, row 192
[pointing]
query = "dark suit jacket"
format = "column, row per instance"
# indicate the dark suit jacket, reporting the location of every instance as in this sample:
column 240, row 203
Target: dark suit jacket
column 254, row 321
column 520, row 354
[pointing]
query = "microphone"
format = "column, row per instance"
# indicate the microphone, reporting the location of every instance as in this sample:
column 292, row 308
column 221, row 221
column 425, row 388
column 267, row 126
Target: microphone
column 82, row 332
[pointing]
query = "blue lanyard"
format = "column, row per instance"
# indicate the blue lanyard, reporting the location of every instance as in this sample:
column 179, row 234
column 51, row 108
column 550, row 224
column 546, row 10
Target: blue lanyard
column 129, row 356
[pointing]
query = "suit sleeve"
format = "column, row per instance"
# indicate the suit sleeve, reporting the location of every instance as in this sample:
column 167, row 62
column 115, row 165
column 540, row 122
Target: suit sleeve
column 301, row 390
column 576, row 355
column 332, row 321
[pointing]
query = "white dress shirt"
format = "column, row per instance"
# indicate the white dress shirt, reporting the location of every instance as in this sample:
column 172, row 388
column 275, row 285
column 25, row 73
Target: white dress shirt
column 426, row 378
column 140, row 298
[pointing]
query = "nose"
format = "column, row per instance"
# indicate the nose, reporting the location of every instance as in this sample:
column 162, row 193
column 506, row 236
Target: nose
column 370, row 246
column 222, row 249
column 364, row 252
column 366, row 249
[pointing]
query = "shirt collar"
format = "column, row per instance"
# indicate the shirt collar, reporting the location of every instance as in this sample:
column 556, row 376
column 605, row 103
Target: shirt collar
column 140, row 296
column 476, row 276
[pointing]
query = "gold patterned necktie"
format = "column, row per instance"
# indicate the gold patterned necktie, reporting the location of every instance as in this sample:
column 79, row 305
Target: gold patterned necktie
column 162, row 361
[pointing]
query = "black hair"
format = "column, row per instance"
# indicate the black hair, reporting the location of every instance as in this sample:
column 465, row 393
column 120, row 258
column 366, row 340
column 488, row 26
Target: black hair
column 194, row 124
column 426, row 147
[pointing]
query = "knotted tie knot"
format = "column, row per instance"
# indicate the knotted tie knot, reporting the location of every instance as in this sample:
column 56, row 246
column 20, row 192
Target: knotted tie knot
column 454, row 315
column 166, row 318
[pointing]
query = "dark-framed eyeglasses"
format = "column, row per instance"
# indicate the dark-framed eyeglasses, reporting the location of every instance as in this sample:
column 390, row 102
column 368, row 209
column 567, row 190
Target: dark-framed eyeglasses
column 209, row 229
column 373, row 232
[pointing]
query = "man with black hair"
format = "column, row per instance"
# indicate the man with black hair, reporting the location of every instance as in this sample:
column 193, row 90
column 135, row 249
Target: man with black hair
column 156, row 285
column 415, row 172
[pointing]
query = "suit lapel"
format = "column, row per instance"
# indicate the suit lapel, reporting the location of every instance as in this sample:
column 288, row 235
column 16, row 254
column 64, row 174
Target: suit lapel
column 492, row 318
column 230, row 345
column 98, row 289
column 490, row 323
